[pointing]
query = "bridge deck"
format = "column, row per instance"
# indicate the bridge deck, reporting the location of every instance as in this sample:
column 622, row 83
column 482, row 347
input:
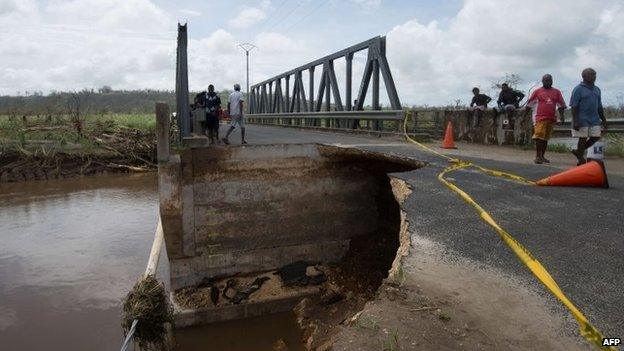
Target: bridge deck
column 575, row 232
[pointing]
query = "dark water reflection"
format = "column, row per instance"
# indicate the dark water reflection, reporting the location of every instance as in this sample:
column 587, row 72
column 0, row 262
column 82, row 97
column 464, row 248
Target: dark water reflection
column 258, row 334
column 70, row 250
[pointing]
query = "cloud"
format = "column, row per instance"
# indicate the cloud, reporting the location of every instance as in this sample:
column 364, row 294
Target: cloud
column 435, row 65
column 141, row 15
column 367, row 4
column 247, row 16
column 217, row 60
column 66, row 45
column 84, row 44
column 8, row 7
column 193, row 13
column 75, row 45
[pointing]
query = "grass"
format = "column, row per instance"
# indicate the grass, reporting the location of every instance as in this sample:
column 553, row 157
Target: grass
column 559, row 148
column 399, row 278
column 368, row 322
column 61, row 130
column 392, row 341
column 615, row 145
column 145, row 122
column 443, row 316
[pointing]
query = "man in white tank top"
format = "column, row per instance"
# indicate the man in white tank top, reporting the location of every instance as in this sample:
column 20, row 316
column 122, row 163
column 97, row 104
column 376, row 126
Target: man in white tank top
column 235, row 110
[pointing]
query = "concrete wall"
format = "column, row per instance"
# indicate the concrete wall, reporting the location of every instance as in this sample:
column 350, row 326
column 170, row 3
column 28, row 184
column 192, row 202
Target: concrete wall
column 229, row 210
column 489, row 131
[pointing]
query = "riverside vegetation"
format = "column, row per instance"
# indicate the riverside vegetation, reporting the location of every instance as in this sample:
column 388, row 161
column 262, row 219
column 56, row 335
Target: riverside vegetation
column 36, row 148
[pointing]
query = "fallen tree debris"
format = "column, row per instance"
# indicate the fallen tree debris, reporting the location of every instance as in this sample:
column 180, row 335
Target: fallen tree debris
column 148, row 303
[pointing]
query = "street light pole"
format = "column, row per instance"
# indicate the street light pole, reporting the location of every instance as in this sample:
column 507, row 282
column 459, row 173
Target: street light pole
column 247, row 47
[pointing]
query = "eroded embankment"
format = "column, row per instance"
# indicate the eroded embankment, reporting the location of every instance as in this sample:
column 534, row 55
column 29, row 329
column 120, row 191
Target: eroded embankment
column 331, row 210
column 371, row 263
column 125, row 150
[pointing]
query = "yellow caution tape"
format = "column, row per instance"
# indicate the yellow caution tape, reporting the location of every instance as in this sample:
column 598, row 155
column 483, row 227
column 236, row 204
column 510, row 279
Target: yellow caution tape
column 586, row 329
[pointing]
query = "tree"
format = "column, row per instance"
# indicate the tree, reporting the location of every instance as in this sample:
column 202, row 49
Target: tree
column 106, row 89
column 512, row 80
column 620, row 102
column 78, row 106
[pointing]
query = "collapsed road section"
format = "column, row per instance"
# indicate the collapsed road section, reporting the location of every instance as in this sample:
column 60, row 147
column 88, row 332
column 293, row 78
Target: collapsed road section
column 255, row 230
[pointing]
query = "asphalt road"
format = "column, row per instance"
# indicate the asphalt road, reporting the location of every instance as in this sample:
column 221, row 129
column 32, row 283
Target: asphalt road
column 576, row 233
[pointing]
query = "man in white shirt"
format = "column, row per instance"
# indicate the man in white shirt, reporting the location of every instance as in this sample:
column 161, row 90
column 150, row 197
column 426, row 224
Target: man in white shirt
column 235, row 110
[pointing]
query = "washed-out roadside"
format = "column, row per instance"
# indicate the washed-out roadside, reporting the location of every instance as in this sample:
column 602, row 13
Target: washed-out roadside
column 40, row 148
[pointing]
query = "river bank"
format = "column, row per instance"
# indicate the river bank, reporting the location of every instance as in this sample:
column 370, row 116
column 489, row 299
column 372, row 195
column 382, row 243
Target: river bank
column 40, row 148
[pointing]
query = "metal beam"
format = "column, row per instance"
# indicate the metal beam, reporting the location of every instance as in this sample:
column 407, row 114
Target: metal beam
column 287, row 104
column 368, row 71
column 376, row 106
column 348, row 88
column 293, row 101
column 311, row 91
column 334, row 85
column 265, row 103
column 319, row 97
column 182, row 90
column 327, row 90
column 351, row 49
column 393, row 96
column 277, row 97
column 302, row 93
column 376, row 65
column 271, row 106
column 368, row 114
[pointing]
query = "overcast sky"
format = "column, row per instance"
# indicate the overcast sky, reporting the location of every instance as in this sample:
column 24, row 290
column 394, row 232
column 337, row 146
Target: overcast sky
column 438, row 50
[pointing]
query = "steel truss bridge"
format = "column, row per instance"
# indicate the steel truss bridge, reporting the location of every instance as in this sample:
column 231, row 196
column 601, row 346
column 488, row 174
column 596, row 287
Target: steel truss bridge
column 272, row 100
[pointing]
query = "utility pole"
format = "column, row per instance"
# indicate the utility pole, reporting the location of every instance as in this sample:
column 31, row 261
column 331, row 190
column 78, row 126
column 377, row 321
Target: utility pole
column 247, row 47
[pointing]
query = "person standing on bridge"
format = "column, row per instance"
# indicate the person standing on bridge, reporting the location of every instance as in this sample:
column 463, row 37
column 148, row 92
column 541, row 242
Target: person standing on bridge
column 213, row 104
column 235, row 110
column 355, row 122
column 587, row 114
column 544, row 103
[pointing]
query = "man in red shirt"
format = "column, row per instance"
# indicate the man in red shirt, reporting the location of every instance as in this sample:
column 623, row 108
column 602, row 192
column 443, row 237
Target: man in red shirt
column 544, row 102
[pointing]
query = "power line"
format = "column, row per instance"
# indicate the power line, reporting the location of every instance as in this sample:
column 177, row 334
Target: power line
column 307, row 15
column 266, row 21
column 284, row 17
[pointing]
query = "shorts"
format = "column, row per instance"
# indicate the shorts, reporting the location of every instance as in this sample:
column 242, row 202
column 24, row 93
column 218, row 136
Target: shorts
column 212, row 121
column 479, row 108
column 543, row 129
column 237, row 119
column 587, row 132
column 506, row 108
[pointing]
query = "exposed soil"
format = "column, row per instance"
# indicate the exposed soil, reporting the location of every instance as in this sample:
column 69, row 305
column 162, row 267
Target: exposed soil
column 357, row 277
column 442, row 305
column 127, row 150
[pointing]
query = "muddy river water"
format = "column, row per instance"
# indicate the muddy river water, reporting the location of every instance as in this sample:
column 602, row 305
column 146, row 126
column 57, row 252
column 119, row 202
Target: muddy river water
column 70, row 251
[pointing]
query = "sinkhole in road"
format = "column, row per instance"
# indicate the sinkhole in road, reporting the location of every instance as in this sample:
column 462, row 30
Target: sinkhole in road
column 309, row 228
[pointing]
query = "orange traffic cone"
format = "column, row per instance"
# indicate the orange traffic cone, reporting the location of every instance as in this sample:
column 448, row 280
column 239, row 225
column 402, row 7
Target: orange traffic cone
column 590, row 174
column 449, row 141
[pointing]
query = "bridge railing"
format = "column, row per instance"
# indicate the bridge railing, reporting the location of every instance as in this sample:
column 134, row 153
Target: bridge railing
column 374, row 120
column 428, row 122
column 285, row 94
